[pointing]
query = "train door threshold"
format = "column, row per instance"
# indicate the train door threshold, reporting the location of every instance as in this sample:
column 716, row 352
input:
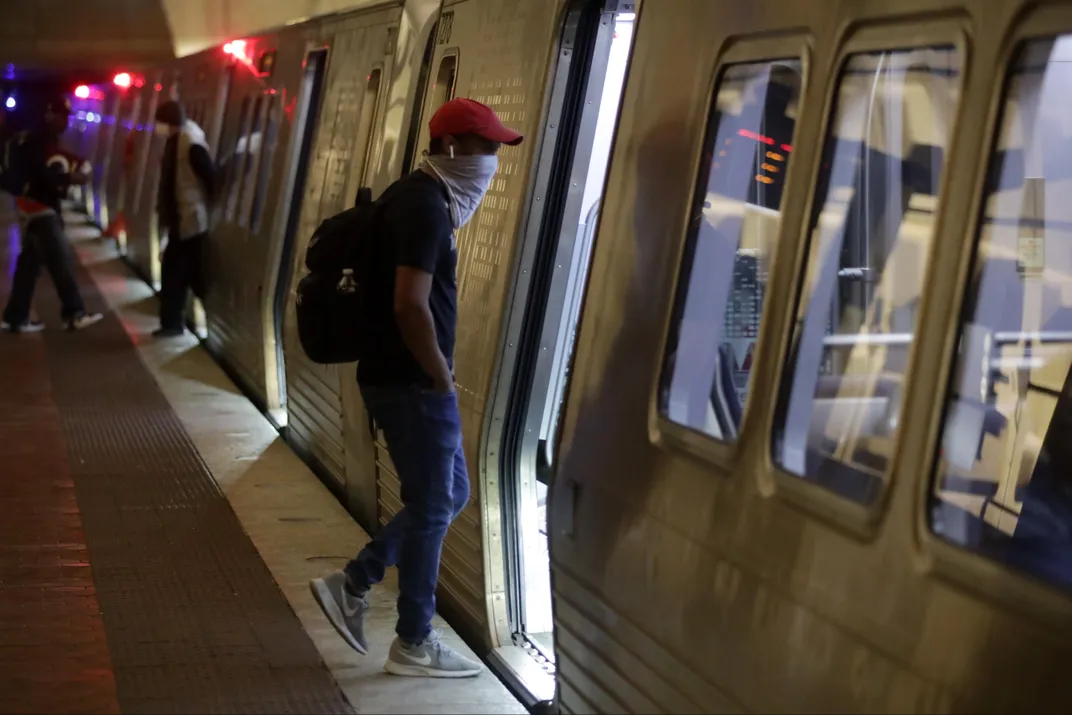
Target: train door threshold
column 526, row 669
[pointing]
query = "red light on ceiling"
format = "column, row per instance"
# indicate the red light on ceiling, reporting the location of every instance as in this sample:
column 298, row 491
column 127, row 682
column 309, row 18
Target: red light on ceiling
column 122, row 79
column 81, row 91
column 237, row 49
column 139, row 82
column 158, row 87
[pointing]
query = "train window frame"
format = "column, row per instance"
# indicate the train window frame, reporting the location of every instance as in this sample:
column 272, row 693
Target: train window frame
column 666, row 433
column 252, row 178
column 360, row 177
column 861, row 520
column 965, row 568
column 273, row 118
column 411, row 152
column 236, row 174
column 428, row 99
column 453, row 56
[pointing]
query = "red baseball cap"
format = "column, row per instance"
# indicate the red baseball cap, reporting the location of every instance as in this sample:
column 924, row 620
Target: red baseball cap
column 465, row 116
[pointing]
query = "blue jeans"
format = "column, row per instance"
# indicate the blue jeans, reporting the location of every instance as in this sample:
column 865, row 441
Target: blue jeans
column 423, row 430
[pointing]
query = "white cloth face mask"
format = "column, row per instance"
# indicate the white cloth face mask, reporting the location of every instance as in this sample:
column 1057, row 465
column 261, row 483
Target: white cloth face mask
column 466, row 178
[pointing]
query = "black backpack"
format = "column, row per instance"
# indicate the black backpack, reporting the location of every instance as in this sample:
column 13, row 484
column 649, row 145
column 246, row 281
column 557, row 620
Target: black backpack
column 331, row 303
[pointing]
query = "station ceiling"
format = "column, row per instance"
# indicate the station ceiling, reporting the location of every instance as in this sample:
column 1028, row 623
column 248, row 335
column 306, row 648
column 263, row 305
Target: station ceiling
column 91, row 37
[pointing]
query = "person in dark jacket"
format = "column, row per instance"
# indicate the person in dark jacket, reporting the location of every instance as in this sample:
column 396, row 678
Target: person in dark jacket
column 46, row 179
column 187, row 186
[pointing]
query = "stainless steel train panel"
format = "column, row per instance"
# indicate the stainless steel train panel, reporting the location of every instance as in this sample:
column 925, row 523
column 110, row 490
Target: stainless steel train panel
column 103, row 161
column 315, row 392
column 128, row 108
column 691, row 575
column 238, row 256
column 84, row 143
column 142, row 243
column 502, row 50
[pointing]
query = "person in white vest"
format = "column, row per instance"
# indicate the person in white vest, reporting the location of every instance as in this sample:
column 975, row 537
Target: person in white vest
column 187, row 184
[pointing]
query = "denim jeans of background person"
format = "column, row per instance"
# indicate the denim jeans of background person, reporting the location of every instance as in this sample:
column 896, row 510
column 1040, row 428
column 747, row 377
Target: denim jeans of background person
column 44, row 243
column 407, row 384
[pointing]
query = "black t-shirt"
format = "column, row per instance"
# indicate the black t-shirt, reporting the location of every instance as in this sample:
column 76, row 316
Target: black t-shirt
column 44, row 183
column 413, row 229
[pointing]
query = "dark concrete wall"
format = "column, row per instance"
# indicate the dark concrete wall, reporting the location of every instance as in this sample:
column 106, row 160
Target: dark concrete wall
column 100, row 35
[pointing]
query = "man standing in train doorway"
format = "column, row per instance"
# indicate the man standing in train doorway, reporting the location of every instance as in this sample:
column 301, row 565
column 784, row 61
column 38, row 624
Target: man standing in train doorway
column 187, row 186
column 39, row 178
column 408, row 385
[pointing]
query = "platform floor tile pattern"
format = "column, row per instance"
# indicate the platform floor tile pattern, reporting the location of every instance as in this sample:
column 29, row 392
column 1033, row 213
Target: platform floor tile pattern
column 157, row 536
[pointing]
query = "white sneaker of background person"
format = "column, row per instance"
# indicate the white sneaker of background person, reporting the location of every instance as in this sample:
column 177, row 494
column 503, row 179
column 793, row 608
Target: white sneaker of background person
column 82, row 320
column 30, row 326
column 430, row 658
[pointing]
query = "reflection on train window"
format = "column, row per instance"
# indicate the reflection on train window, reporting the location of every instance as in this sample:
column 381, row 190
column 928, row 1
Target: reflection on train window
column 1004, row 478
column 370, row 103
column 254, row 157
column 869, row 238
column 246, row 149
column 730, row 245
column 271, row 132
column 231, row 161
column 443, row 89
column 249, row 140
column 409, row 155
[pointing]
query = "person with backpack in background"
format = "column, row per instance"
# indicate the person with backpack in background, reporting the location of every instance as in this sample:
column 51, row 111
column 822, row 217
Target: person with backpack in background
column 30, row 171
column 409, row 292
column 187, row 187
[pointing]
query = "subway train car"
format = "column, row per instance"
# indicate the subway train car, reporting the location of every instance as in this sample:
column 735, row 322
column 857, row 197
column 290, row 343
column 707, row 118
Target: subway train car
column 763, row 349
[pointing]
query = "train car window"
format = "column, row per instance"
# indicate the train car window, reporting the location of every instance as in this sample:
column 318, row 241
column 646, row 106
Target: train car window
column 1003, row 483
column 869, row 237
column 268, row 146
column 372, row 96
column 411, row 154
column 443, row 89
column 254, row 150
column 730, row 243
column 370, row 103
column 228, row 156
column 236, row 170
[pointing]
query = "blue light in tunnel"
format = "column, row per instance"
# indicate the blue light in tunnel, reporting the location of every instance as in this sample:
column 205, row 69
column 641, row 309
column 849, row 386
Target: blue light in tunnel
column 10, row 72
column 10, row 103
column 91, row 117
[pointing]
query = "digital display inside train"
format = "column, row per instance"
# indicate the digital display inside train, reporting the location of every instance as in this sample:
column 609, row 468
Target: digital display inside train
column 769, row 152
column 772, row 158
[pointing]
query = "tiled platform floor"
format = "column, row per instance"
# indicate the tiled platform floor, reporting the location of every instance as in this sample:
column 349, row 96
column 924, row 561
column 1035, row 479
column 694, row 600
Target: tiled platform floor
column 157, row 536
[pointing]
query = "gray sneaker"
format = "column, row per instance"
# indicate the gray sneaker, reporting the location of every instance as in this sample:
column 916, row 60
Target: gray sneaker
column 346, row 612
column 431, row 659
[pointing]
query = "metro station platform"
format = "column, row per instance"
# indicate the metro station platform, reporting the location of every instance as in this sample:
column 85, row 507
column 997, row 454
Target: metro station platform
column 157, row 535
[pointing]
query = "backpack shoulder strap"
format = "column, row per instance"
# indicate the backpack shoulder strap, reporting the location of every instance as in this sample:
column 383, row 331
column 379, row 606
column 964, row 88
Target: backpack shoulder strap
column 367, row 214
